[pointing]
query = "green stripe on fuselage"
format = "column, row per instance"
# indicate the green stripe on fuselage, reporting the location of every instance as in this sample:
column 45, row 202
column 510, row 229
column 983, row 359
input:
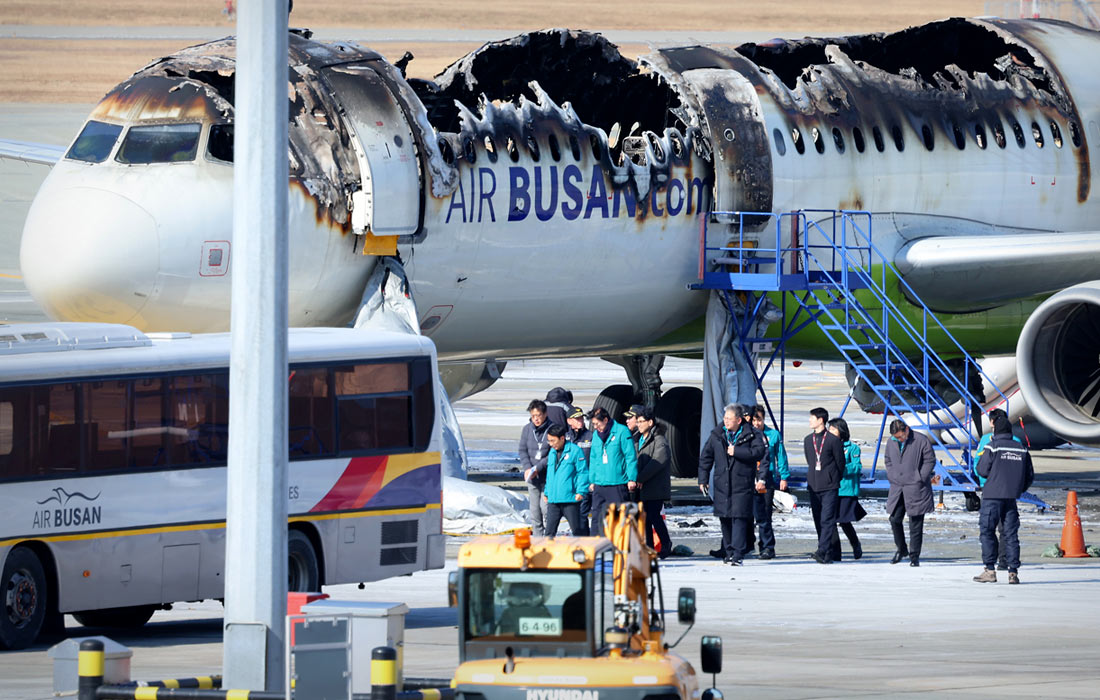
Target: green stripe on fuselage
column 989, row 332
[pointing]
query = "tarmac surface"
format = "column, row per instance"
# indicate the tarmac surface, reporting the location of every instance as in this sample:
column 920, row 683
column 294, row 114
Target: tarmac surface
column 791, row 628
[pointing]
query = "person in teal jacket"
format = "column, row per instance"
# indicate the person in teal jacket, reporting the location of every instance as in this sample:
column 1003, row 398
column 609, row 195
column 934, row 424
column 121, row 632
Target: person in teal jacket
column 777, row 454
column 848, row 510
column 612, row 465
column 566, row 482
column 994, row 415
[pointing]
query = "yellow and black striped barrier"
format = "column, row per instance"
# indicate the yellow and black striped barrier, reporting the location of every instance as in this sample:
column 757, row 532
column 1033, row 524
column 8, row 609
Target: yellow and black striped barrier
column 203, row 682
column 383, row 673
column 147, row 692
column 89, row 668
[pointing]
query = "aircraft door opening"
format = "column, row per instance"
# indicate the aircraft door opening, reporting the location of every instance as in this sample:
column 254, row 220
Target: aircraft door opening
column 388, row 203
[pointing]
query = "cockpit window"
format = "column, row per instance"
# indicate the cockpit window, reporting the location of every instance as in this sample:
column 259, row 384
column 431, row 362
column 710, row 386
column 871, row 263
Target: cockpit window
column 161, row 143
column 220, row 143
column 95, row 142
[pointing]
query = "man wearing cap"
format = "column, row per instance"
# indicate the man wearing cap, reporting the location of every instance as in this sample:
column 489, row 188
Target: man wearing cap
column 581, row 436
column 1006, row 466
column 630, row 415
column 612, row 466
column 559, row 404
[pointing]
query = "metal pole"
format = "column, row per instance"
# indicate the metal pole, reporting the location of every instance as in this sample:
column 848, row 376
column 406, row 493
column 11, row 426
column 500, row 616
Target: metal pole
column 256, row 507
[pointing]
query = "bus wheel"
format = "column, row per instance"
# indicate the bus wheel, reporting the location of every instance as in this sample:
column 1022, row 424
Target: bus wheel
column 303, row 572
column 23, row 587
column 119, row 618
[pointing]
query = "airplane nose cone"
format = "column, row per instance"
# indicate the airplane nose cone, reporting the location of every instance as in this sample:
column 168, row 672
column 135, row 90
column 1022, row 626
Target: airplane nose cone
column 89, row 255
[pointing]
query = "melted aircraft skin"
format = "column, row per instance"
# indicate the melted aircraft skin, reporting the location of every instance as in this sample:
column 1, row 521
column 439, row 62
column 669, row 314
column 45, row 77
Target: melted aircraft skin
column 560, row 185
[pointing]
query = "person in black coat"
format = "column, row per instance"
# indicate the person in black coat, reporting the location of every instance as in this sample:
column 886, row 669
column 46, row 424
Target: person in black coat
column 733, row 451
column 1006, row 464
column 825, row 467
column 654, row 477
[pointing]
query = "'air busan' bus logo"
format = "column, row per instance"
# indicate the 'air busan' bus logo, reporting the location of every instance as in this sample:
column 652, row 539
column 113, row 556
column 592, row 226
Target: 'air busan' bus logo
column 548, row 192
column 66, row 515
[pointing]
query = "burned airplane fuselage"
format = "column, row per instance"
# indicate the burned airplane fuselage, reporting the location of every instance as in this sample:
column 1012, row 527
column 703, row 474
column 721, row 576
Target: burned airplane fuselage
column 545, row 192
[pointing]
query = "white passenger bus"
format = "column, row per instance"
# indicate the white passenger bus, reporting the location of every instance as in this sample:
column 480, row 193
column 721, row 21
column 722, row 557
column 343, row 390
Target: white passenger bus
column 113, row 467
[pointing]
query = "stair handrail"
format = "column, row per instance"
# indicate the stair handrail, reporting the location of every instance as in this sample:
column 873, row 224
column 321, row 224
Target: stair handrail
column 884, row 297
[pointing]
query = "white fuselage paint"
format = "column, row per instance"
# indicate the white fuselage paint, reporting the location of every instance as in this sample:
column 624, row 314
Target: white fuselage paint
column 111, row 242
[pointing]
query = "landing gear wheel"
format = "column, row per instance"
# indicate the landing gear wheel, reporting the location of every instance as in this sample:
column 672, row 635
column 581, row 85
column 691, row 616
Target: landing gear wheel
column 303, row 572
column 679, row 412
column 24, row 593
column 130, row 617
column 615, row 399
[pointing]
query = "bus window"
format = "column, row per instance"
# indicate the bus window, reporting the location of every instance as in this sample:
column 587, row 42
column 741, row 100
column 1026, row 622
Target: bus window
column 148, row 426
column 105, row 418
column 374, row 423
column 199, row 419
column 62, row 430
column 309, row 415
column 7, row 427
column 377, row 378
column 423, row 401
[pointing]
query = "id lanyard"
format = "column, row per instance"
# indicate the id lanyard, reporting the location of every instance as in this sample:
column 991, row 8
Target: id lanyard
column 817, row 450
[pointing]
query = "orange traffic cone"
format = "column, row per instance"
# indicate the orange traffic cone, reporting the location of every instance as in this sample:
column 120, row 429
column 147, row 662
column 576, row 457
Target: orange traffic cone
column 1073, row 539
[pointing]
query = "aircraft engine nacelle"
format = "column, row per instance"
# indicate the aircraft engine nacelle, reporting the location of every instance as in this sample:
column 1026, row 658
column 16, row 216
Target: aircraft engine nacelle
column 1058, row 363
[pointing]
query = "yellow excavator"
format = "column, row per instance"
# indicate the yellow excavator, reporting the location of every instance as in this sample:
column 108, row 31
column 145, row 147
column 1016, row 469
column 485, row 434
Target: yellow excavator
column 571, row 618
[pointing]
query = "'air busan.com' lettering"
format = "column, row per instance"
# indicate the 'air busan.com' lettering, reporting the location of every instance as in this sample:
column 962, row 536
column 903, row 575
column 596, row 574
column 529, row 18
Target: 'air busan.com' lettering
column 552, row 191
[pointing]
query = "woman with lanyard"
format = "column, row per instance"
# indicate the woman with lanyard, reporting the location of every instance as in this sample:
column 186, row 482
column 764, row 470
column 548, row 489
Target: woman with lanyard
column 848, row 509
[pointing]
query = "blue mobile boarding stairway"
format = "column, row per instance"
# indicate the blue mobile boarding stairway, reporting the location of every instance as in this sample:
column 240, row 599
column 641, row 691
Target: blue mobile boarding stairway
column 842, row 282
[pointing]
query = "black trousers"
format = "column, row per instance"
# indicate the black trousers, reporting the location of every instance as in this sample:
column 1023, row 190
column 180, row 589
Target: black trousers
column 601, row 496
column 654, row 521
column 554, row 513
column 762, row 512
column 823, row 506
column 735, row 536
column 916, row 530
column 1000, row 513
column 586, row 510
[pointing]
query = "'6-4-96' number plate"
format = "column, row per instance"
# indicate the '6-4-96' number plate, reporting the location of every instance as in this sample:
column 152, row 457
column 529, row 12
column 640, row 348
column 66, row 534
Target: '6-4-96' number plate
column 546, row 626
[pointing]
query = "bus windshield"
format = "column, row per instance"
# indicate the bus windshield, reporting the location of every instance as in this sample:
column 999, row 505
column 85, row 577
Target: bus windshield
column 530, row 606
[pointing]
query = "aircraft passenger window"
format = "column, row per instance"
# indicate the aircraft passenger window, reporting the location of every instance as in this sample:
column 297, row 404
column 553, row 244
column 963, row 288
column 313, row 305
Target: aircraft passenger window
column 513, row 152
column 1037, row 134
column 95, row 142
column 468, row 150
column 1055, row 134
column 1018, row 132
column 926, row 136
column 838, row 139
column 799, row 144
column 876, row 134
column 555, row 150
column 960, row 140
column 857, row 136
column 596, row 148
column 446, row 151
column 899, row 142
column 490, row 149
column 999, row 133
column 533, row 147
column 1075, row 134
column 160, row 143
column 219, row 145
column 979, row 136
column 575, row 147
column 780, row 144
column 819, row 143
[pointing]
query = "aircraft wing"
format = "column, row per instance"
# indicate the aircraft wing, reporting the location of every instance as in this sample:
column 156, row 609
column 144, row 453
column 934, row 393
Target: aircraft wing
column 962, row 273
column 41, row 153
